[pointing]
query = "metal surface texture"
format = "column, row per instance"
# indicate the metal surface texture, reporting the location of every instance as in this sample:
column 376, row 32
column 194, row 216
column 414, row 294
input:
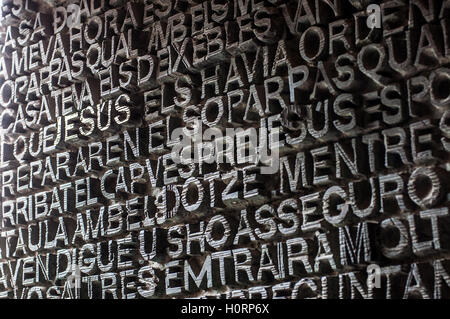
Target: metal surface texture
column 225, row 149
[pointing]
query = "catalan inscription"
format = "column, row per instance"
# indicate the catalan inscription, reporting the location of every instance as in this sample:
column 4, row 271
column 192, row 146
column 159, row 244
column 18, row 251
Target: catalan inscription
column 225, row 149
